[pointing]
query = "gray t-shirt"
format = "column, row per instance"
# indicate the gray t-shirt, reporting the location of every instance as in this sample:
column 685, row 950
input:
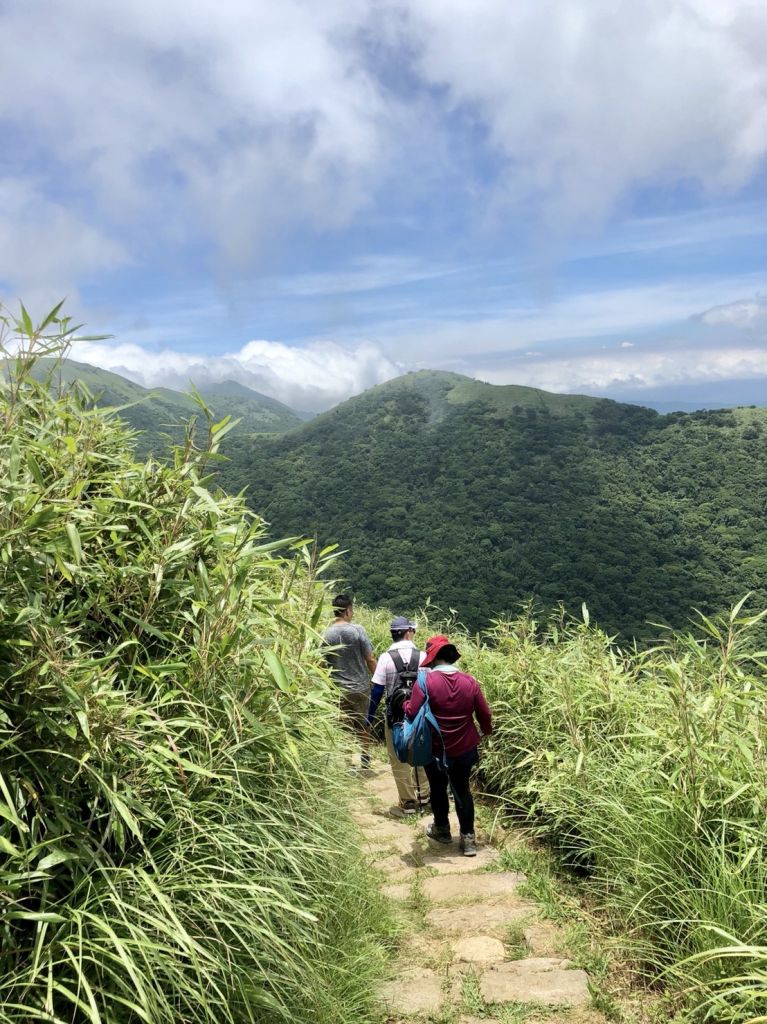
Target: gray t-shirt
column 347, row 665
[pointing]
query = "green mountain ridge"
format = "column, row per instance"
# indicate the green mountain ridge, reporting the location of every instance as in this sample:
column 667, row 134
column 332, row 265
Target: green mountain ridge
column 458, row 389
column 159, row 412
column 479, row 497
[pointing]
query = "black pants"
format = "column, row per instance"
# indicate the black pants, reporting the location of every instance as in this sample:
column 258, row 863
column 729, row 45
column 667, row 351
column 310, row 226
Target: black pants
column 458, row 774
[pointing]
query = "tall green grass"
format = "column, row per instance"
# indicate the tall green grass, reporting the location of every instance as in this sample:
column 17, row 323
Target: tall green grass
column 174, row 840
column 647, row 771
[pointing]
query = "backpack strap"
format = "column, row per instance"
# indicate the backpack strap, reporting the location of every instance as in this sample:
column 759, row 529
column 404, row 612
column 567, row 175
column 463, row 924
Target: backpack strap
column 399, row 663
column 396, row 657
column 423, row 681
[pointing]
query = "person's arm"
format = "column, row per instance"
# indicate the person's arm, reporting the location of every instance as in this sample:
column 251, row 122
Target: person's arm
column 482, row 711
column 375, row 699
column 379, row 686
column 367, row 650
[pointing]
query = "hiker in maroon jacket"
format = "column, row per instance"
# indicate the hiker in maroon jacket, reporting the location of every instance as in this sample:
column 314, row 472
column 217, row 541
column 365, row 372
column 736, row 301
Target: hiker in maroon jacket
column 455, row 699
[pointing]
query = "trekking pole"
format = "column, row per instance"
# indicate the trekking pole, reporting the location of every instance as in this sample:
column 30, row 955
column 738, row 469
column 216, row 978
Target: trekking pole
column 418, row 791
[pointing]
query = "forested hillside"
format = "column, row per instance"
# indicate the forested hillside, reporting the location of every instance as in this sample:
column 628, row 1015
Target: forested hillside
column 479, row 497
column 158, row 413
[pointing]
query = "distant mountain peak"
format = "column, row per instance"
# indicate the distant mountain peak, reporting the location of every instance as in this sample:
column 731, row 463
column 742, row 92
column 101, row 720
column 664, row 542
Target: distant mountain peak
column 232, row 387
column 159, row 412
column 443, row 388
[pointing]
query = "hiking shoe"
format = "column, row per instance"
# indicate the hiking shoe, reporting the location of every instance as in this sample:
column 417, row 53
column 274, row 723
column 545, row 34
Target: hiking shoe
column 468, row 845
column 439, row 835
column 404, row 809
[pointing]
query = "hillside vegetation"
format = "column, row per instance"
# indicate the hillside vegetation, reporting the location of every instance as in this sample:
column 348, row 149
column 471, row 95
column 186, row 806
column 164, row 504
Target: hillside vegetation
column 479, row 497
column 174, row 837
column 159, row 414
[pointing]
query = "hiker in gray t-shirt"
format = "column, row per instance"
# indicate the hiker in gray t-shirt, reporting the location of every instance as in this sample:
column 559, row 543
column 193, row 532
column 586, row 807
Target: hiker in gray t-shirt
column 351, row 666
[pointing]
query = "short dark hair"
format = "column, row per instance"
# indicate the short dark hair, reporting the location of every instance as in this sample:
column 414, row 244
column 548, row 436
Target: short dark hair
column 341, row 602
column 399, row 634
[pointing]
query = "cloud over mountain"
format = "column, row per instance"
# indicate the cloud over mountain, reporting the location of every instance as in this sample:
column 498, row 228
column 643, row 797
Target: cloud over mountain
column 309, row 378
column 411, row 172
column 728, row 342
column 241, row 121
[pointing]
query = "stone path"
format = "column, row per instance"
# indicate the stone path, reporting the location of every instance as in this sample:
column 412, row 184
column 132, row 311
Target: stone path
column 472, row 948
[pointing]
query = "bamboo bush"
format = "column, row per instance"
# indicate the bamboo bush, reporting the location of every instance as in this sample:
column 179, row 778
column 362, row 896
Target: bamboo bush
column 174, row 842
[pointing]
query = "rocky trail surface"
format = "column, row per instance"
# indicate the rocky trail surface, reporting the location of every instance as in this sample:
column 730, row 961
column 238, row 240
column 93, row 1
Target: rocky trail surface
column 472, row 948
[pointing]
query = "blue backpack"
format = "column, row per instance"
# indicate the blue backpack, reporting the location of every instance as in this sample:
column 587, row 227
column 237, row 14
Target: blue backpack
column 412, row 740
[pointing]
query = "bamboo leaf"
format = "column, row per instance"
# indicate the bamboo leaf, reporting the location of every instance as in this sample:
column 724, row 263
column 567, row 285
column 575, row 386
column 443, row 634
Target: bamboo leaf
column 220, row 430
column 125, row 813
column 277, row 669
column 74, row 542
column 14, row 461
column 49, row 319
column 7, row 847
column 35, row 915
column 53, row 859
column 26, row 320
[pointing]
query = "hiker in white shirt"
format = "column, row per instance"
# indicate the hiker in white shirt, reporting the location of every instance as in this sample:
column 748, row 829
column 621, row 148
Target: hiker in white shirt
column 385, row 680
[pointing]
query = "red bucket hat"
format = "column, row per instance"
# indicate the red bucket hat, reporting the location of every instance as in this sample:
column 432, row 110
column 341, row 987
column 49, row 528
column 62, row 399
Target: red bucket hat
column 434, row 645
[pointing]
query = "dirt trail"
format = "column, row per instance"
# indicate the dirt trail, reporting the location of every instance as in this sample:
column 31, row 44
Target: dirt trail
column 473, row 949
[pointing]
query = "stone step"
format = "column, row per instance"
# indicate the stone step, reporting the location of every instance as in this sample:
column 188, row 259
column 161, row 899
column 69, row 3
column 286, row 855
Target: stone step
column 448, row 860
column 486, row 885
column 385, row 835
column 535, row 980
column 478, row 949
column 476, row 919
column 417, row 990
column 398, row 866
column 542, row 938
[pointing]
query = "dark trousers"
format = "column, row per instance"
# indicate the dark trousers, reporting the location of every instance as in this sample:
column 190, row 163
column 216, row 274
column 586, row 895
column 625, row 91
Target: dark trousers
column 457, row 774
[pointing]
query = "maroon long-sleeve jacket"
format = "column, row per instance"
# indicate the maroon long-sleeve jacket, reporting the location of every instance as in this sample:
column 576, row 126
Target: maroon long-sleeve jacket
column 455, row 699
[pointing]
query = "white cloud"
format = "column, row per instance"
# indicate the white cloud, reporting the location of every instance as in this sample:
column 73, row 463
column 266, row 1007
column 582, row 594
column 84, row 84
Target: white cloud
column 570, row 320
column 322, row 372
column 235, row 118
column 246, row 120
column 746, row 315
column 313, row 377
column 46, row 248
column 592, row 373
column 584, row 101
column 727, row 342
column 369, row 274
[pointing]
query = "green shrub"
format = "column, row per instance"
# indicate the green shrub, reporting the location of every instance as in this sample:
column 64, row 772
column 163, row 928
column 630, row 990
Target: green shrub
column 174, row 842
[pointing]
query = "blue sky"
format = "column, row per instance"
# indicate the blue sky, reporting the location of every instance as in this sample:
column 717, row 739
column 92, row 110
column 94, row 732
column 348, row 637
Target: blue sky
column 312, row 198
